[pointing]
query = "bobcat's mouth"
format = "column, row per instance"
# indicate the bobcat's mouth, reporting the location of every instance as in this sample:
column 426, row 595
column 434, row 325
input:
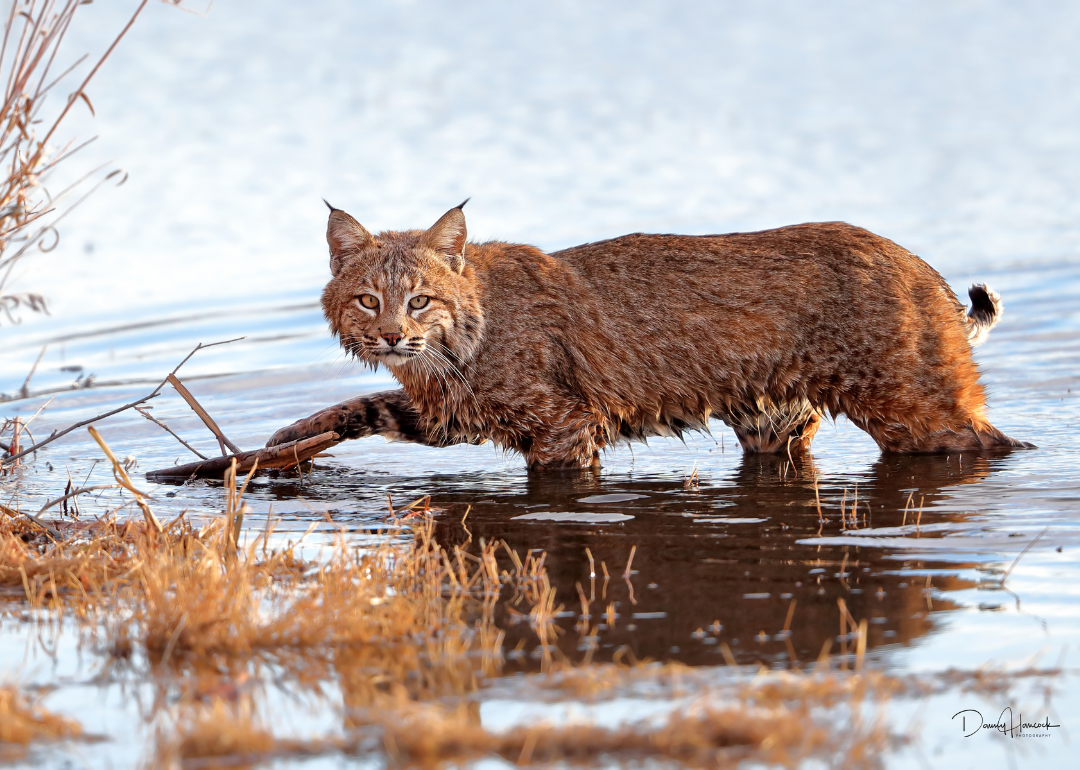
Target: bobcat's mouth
column 375, row 350
column 393, row 356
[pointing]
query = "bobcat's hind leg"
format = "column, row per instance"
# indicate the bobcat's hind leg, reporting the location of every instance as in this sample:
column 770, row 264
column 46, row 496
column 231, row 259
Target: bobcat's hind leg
column 972, row 437
column 390, row 414
column 768, row 428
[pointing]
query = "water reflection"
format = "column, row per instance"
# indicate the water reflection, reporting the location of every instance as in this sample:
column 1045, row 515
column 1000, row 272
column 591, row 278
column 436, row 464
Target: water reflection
column 713, row 564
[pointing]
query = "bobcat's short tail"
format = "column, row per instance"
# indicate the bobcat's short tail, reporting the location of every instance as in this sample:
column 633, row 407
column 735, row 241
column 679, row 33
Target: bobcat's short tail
column 984, row 313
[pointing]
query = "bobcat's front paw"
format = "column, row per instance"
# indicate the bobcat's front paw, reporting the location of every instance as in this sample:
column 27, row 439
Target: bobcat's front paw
column 288, row 433
column 320, row 422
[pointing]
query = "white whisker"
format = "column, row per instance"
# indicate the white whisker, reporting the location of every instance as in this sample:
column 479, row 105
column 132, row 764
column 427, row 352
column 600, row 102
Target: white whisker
column 451, row 368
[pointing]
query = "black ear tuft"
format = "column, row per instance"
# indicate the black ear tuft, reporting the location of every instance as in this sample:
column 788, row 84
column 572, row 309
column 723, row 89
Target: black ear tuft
column 460, row 206
column 324, row 200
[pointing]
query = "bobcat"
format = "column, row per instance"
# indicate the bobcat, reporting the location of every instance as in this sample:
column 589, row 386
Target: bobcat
column 560, row 355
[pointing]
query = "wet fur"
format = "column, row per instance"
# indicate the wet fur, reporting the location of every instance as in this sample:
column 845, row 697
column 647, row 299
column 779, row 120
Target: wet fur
column 558, row 356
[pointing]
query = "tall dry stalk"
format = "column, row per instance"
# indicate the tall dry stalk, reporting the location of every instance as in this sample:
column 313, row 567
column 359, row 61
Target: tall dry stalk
column 33, row 35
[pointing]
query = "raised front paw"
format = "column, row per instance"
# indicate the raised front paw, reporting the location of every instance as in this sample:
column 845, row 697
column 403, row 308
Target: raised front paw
column 320, row 422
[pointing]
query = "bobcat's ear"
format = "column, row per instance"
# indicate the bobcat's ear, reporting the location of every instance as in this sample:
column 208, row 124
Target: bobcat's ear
column 346, row 237
column 447, row 237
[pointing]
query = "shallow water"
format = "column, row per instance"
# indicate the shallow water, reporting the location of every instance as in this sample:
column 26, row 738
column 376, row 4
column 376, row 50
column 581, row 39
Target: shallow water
column 950, row 128
column 716, row 562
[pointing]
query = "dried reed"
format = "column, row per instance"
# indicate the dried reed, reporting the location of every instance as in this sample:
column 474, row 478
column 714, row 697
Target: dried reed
column 779, row 719
column 23, row 721
column 33, row 34
column 205, row 734
column 701, row 735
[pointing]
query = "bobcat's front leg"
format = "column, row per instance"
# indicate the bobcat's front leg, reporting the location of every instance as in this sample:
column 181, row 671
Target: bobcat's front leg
column 390, row 414
column 573, row 441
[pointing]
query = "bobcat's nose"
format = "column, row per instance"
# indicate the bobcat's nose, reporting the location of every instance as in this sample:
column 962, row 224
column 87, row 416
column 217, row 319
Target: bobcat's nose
column 392, row 338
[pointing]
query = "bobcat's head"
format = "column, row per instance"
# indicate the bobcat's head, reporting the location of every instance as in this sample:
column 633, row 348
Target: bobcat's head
column 404, row 299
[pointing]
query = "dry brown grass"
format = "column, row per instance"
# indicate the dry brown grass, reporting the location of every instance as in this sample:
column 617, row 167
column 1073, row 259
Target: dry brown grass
column 781, row 719
column 782, row 722
column 222, row 734
column 24, row 721
column 195, row 591
column 69, row 574
column 204, row 600
column 752, row 726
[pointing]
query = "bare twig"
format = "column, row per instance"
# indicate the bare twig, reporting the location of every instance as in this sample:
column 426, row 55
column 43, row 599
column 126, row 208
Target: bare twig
column 16, row 431
column 1021, row 554
column 691, row 481
column 40, row 409
column 75, row 493
column 153, row 394
column 208, row 421
column 145, row 412
column 25, row 390
column 86, row 80
column 790, row 614
column 860, row 645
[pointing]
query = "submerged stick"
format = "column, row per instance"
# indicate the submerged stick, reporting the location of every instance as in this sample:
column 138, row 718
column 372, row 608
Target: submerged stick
column 282, row 457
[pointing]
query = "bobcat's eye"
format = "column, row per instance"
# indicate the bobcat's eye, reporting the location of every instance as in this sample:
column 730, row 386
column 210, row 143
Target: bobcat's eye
column 419, row 302
column 370, row 301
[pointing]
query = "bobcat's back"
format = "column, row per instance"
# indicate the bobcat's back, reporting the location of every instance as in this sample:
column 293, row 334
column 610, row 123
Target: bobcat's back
column 668, row 328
